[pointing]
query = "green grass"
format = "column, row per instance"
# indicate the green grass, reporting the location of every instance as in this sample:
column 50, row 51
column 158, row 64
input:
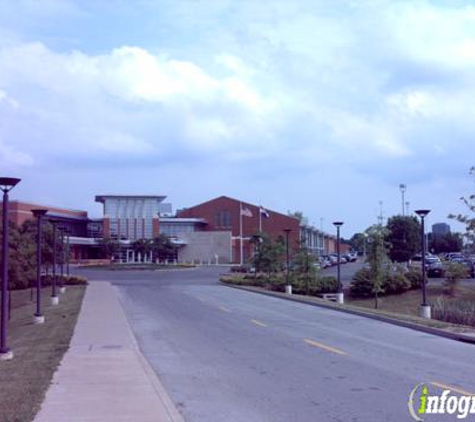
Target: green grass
column 38, row 350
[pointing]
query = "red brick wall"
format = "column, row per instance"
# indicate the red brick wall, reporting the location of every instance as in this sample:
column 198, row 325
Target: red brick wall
column 107, row 227
column 273, row 226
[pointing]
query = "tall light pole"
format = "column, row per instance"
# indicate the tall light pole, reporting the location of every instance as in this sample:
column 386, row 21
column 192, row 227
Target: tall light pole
column 54, row 296
column 62, row 288
column 338, row 224
column 402, row 188
column 287, row 279
column 6, row 185
column 39, row 214
column 425, row 308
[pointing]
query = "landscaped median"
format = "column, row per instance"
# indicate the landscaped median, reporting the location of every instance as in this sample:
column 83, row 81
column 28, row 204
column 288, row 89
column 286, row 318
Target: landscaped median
column 38, row 350
column 398, row 309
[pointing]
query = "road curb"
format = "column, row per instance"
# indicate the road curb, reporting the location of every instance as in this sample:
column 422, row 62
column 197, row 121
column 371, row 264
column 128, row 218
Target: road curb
column 428, row 330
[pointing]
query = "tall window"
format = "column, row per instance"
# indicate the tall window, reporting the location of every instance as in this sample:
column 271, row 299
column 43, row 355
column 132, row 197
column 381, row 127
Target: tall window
column 223, row 219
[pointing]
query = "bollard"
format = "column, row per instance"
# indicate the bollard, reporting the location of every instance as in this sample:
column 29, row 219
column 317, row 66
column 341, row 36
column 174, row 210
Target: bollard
column 288, row 289
column 425, row 311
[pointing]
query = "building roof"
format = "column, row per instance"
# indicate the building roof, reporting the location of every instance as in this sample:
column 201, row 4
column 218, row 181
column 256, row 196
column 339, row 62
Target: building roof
column 245, row 204
column 182, row 220
column 102, row 198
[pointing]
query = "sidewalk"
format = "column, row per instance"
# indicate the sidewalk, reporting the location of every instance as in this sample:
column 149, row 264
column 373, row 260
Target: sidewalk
column 104, row 376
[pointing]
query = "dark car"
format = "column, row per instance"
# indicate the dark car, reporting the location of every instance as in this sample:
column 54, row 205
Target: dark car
column 435, row 270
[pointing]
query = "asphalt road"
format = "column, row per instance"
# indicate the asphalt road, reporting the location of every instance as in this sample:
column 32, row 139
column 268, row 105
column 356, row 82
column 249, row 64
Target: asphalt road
column 230, row 355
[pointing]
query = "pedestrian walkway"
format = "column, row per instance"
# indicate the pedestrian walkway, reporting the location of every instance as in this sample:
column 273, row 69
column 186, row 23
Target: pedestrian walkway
column 104, row 376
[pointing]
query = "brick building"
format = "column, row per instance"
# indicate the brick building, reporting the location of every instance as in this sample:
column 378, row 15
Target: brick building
column 75, row 222
column 243, row 220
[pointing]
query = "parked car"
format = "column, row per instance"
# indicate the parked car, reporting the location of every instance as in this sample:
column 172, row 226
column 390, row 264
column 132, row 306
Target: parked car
column 435, row 268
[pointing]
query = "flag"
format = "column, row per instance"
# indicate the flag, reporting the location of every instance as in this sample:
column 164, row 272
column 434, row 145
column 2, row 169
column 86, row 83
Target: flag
column 264, row 212
column 246, row 212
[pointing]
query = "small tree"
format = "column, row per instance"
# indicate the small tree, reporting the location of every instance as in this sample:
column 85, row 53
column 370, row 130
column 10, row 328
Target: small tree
column 468, row 220
column 110, row 247
column 304, row 269
column 403, row 237
column 267, row 256
column 454, row 272
column 162, row 247
column 377, row 258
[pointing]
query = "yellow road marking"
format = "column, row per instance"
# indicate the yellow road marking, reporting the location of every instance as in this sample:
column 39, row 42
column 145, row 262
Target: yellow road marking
column 314, row 343
column 448, row 387
column 224, row 309
column 259, row 323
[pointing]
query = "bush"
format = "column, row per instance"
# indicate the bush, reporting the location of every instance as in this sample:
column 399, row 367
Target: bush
column 457, row 311
column 361, row 285
column 71, row 280
column 454, row 272
column 415, row 278
column 396, row 283
column 328, row 284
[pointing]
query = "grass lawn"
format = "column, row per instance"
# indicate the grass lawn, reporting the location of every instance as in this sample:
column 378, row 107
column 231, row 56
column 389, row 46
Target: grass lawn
column 38, row 350
column 408, row 303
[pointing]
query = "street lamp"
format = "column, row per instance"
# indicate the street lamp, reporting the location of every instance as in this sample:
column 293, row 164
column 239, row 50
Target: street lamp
column 54, row 296
column 288, row 287
column 425, row 308
column 38, row 213
column 62, row 288
column 338, row 224
column 6, row 185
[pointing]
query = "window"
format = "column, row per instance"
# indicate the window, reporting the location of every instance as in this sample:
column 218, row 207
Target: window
column 223, row 219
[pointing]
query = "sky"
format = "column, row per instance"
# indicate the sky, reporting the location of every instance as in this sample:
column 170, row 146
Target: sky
column 321, row 106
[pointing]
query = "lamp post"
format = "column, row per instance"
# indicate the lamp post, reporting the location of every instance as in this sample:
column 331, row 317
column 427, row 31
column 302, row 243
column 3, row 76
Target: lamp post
column 68, row 252
column 6, row 184
column 62, row 288
column 38, row 213
column 425, row 311
column 54, row 296
column 340, row 298
column 288, row 286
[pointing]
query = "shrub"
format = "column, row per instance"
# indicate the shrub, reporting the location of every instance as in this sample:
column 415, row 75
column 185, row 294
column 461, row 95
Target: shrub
column 396, row 283
column 328, row 284
column 415, row 278
column 71, row 280
column 361, row 285
column 454, row 271
column 457, row 311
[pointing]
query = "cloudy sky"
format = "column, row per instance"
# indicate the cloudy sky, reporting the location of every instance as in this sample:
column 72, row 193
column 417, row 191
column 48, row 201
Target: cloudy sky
column 323, row 106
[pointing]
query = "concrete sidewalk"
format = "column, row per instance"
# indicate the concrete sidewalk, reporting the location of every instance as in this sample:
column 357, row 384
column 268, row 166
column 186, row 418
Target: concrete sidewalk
column 104, row 376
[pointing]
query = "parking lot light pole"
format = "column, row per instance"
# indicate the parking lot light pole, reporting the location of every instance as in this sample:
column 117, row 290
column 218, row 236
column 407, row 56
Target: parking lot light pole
column 340, row 298
column 288, row 286
column 62, row 288
column 425, row 311
column 54, row 296
column 39, row 214
column 6, row 185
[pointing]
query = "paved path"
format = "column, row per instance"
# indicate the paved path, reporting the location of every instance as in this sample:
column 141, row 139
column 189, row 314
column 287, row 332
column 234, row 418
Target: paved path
column 104, row 377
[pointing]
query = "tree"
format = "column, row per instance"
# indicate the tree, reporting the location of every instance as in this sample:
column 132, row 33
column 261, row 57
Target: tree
column 357, row 242
column 377, row 258
column 454, row 272
column 268, row 254
column 304, row 268
column 110, row 247
column 162, row 247
column 449, row 242
column 468, row 219
column 403, row 236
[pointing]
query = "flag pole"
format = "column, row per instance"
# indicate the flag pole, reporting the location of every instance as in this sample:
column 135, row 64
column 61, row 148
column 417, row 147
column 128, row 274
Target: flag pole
column 240, row 232
column 260, row 219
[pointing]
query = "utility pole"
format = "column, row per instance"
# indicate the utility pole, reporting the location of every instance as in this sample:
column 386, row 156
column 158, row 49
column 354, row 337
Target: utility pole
column 402, row 188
